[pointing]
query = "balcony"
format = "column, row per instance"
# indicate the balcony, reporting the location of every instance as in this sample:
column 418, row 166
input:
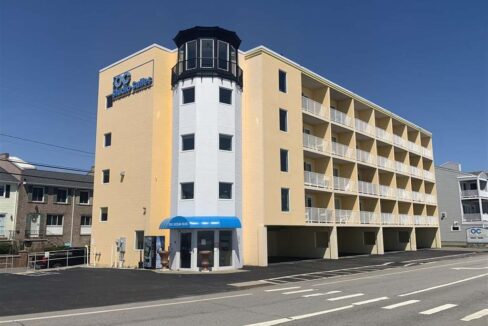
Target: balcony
column 314, row 108
column 343, row 150
column 403, row 194
column 402, row 168
column 365, row 157
column 415, row 171
column 399, row 141
column 315, row 143
column 383, row 134
column 474, row 193
column 431, row 199
column 388, row 219
column 425, row 220
column 426, row 152
column 386, row 191
column 85, row 230
column 345, row 216
column 475, row 217
column 344, row 184
column 340, row 118
column 405, row 219
column 366, row 217
column 417, row 196
column 367, row 188
column 429, row 175
column 316, row 180
column 319, row 215
column 364, row 127
column 385, row 163
column 414, row 147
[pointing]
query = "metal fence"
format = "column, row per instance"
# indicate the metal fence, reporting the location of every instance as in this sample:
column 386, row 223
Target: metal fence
column 58, row 258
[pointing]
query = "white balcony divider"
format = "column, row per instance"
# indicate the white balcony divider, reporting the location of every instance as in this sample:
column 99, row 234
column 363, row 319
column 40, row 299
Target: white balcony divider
column 387, row 218
column 386, row 191
column 366, row 217
column 405, row 219
column 417, row 196
column 385, row 162
column 419, row 220
column 367, row 188
column 340, row 117
column 415, row 171
column 318, row 215
column 314, row 143
column 313, row 107
column 428, row 175
column 430, row 198
column 403, row 194
column 344, row 184
column 363, row 126
column 345, row 216
column 342, row 150
column 399, row 141
column 401, row 167
column 54, row 230
column 85, row 230
column 383, row 134
column 315, row 179
column 365, row 157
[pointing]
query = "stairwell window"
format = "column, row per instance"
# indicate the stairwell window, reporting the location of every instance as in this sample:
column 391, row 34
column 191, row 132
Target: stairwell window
column 283, row 160
column 285, row 199
column 283, row 120
column 103, row 214
column 187, row 190
column 225, row 95
column 106, row 176
column 225, row 142
column 282, row 81
column 109, row 102
column 188, row 142
column 107, row 139
column 225, row 190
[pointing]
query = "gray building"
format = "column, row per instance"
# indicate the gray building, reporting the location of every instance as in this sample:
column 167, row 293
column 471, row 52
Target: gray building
column 463, row 202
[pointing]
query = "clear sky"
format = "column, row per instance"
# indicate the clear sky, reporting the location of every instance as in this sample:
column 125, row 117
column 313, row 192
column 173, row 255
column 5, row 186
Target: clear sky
column 426, row 61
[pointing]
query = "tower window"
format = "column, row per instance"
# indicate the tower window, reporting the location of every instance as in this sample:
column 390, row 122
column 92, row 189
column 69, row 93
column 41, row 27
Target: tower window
column 225, row 95
column 107, row 139
column 283, row 120
column 187, row 190
column 225, row 190
column 225, row 142
column 105, row 176
column 188, row 142
column 223, row 55
column 188, row 95
column 285, row 199
column 191, row 55
column 283, row 160
column 282, row 81
column 207, row 53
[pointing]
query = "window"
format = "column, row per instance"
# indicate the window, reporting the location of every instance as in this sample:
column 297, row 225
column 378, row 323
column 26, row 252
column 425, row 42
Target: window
column 369, row 238
column 225, row 142
column 110, row 101
column 283, row 120
column 103, row 214
column 307, row 166
column 206, row 53
column 188, row 95
column 54, row 220
column 107, row 139
column 84, row 197
column 86, row 220
column 139, row 243
column 285, row 199
column 61, row 196
column 282, row 81
column 105, row 176
column 225, row 95
column 187, row 190
column 38, row 194
column 283, row 160
column 2, row 190
column 225, row 190
column 188, row 142
column 223, row 49
column 321, row 239
column 191, row 55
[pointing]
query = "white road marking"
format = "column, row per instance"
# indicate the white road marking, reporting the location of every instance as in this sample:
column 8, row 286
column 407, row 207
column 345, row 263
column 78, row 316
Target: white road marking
column 388, row 263
column 289, row 319
column 369, row 301
column 471, row 268
column 437, row 309
column 283, row 289
column 476, row 315
column 346, row 297
column 443, row 285
column 430, row 258
column 409, row 264
column 299, row 291
column 319, row 294
column 401, row 304
column 95, row 312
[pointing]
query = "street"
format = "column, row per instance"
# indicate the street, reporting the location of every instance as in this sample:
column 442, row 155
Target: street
column 447, row 292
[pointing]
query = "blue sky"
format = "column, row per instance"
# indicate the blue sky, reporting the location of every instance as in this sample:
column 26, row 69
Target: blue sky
column 426, row 61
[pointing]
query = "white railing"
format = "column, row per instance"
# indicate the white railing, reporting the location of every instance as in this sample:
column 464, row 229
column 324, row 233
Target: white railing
column 343, row 184
column 431, row 199
column 367, row 188
column 318, row 215
column 387, row 218
column 414, row 147
column 405, row 219
column 85, row 230
column 415, row 171
column 344, row 216
column 418, row 219
column 315, row 179
column 429, row 175
column 403, row 194
column 340, row 117
column 342, row 150
column 401, row 167
column 473, row 217
column 314, row 143
column 383, row 134
column 366, row 217
column 313, row 107
column 474, row 193
column 365, row 157
column 386, row 191
column 426, row 152
column 385, row 162
column 432, row 220
column 363, row 126
column 417, row 196
column 54, row 230
column 397, row 140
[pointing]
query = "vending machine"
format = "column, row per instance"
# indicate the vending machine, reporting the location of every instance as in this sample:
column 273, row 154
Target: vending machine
column 152, row 246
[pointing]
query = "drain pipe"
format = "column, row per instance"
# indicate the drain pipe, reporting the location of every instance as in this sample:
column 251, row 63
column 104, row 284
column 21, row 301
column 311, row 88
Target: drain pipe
column 73, row 199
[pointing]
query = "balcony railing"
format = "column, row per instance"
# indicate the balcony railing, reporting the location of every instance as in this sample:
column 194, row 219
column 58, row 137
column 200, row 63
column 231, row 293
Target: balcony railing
column 383, row 134
column 364, row 127
column 344, row 216
column 388, row 218
column 401, row 167
column 399, row 141
column 365, row 157
column 366, row 217
column 429, row 175
column 85, row 230
column 474, row 193
column 425, row 220
column 315, row 143
column 367, row 188
column 344, row 184
column 475, row 217
column 414, row 147
column 403, row 194
column 342, row 150
column 386, row 191
column 318, row 215
column 415, row 171
column 431, row 199
column 385, row 163
column 318, row 180
column 426, row 152
column 314, row 108
column 417, row 196
column 405, row 219
column 340, row 117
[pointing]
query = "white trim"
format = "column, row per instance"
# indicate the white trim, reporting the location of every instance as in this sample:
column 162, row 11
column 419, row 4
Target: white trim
column 154, row 45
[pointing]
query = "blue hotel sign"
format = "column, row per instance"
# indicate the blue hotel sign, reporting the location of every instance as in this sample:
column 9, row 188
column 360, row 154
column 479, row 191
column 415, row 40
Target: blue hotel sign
column 122, row 86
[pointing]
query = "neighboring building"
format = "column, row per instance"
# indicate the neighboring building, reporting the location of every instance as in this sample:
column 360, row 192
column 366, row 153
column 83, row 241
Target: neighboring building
column 8, row 204
column 53, row 208
column 253, row 158
column 463, row 202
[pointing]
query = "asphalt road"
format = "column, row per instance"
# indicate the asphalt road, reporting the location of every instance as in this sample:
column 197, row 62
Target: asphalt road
column 445, row 292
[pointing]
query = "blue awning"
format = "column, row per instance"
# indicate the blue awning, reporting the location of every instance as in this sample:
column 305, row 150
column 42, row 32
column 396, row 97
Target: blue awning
column 201, row 222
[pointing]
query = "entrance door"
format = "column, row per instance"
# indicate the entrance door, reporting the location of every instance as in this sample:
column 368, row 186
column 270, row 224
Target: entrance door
column 35, row 225
column 205, row 243
column 185, row 250
column 2, row 225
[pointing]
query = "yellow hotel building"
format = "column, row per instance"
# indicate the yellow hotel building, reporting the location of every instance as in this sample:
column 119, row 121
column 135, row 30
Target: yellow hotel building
column 251, row 158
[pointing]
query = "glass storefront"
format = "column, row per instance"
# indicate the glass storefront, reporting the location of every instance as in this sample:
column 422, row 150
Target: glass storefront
column 225, row 248
column 205, row 242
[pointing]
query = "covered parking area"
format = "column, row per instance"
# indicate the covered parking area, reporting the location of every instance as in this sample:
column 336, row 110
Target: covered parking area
column 427, row 237
column 399, row 239
column 359, row 240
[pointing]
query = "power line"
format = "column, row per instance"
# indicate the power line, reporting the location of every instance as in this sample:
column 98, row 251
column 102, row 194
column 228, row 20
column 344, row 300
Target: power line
column 46, row 165
column 49, row 178
column 47, row 144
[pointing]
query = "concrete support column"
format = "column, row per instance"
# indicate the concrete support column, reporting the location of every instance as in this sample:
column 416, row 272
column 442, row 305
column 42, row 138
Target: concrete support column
column 380, row 247
column 262, row 238
column 413, row 240
column 333, row 244
column 437, row 240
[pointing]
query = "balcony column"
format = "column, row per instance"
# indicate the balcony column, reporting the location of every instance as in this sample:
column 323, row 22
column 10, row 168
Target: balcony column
column 333, row 244
column 380, row 247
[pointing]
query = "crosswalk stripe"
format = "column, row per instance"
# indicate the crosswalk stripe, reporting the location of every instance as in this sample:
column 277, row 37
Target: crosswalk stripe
column 369, row 301
column 319, row 294
column 438, row 309
column 401, row 304
column 476, row 315
column 283, row 289
column 346, row 297
column 299, row 291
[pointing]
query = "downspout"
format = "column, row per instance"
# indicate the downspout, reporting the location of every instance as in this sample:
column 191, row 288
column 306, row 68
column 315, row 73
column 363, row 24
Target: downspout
column 72, row 216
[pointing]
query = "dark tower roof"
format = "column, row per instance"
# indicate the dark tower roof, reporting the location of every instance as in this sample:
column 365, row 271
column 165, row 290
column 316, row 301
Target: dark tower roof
column 202, row 31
